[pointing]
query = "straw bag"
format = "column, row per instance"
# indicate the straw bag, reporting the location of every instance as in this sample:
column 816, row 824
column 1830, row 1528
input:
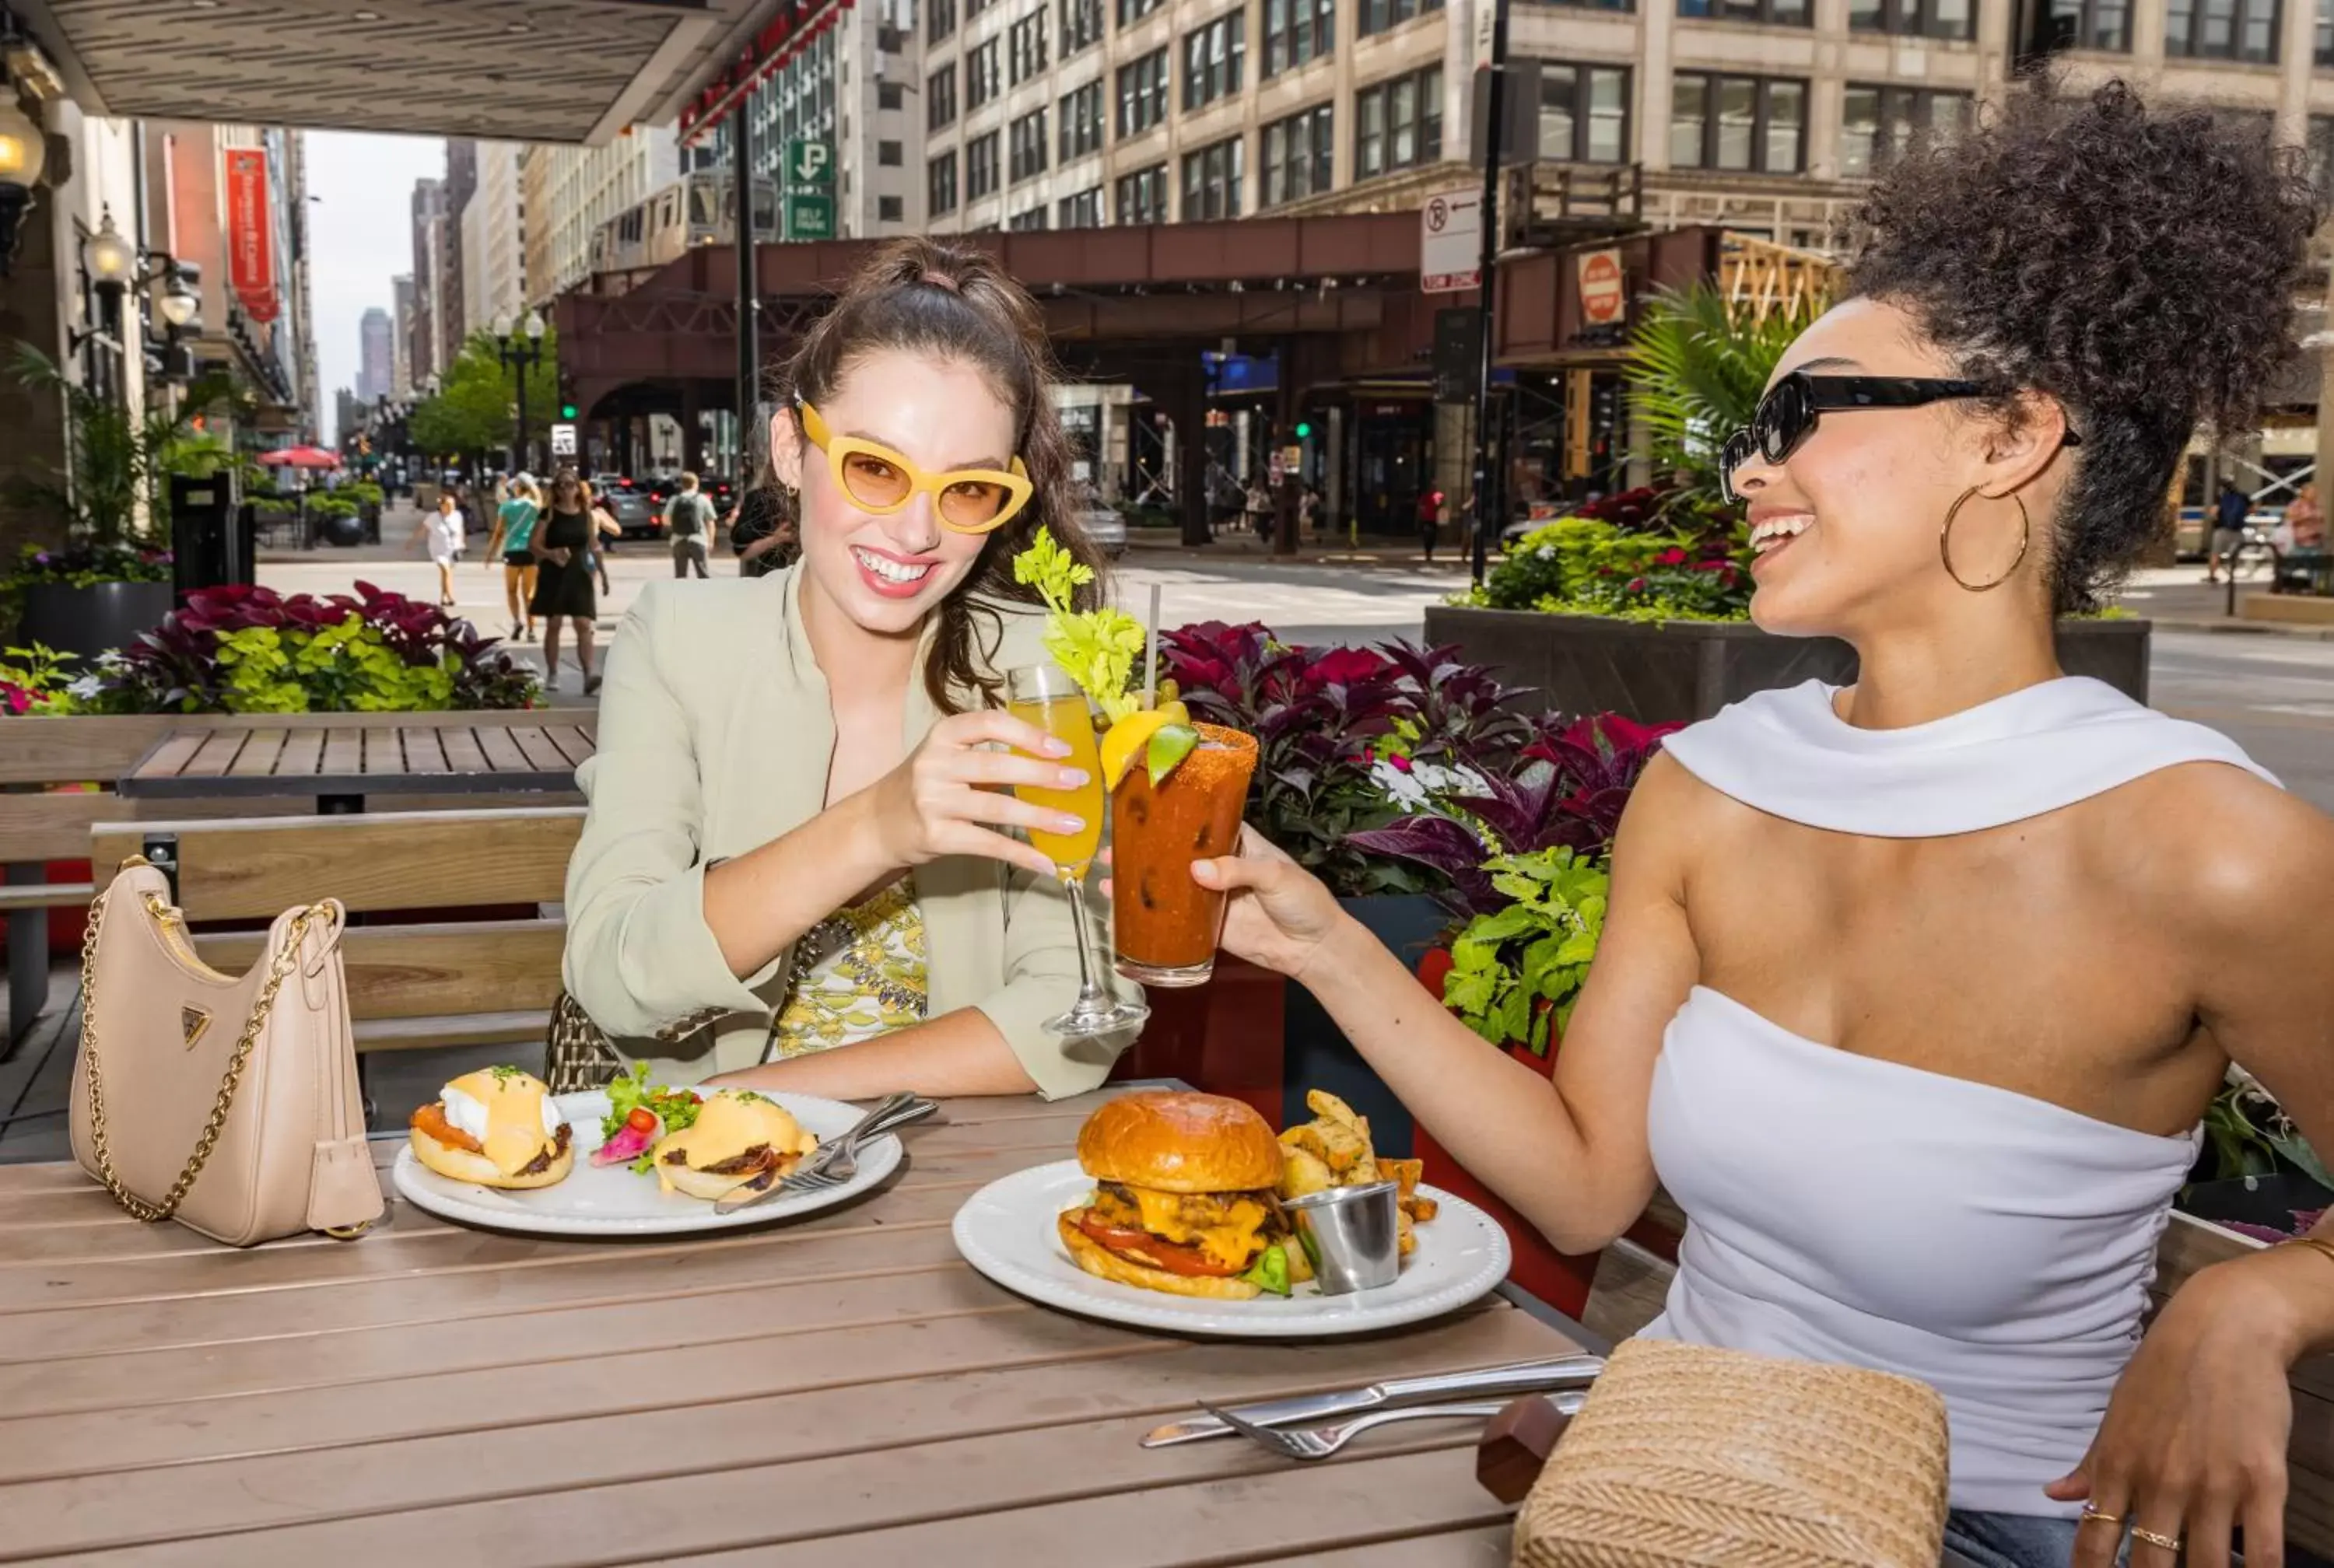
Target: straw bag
column 227, row 1104
column 1687, row 1457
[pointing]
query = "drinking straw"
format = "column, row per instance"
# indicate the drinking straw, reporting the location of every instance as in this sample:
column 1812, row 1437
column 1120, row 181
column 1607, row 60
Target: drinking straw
column 1151, row 662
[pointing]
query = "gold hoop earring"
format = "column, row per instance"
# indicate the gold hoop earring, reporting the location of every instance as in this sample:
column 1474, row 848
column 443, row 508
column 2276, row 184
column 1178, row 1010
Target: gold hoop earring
column 1945, row 542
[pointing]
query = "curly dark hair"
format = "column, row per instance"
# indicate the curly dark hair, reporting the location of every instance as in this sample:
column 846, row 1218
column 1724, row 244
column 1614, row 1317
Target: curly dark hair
column 955, row 301
column 2138, row 267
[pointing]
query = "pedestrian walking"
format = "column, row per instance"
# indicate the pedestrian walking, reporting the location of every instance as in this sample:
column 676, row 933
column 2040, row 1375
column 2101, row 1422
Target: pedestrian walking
column 2305, row 520
column 606, row 535
column 445, row 533
column 562, row 547
column 1259, row 513
column 2228, row 531
column 507, row 545
column 1430, row 520
column 688, row 522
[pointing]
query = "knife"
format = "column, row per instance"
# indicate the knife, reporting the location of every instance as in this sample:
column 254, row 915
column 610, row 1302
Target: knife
column 1521, row 1378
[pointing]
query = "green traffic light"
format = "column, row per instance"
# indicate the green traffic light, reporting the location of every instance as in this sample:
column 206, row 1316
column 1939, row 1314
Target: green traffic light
column 566, row 410
column 1303, row 431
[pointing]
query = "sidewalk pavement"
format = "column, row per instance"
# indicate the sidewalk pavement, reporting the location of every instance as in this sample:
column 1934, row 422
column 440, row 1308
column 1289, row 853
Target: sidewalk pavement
column 2177, row 599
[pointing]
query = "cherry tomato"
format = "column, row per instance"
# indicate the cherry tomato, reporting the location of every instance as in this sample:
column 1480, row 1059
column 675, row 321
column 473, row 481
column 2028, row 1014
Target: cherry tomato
column 642, row 1119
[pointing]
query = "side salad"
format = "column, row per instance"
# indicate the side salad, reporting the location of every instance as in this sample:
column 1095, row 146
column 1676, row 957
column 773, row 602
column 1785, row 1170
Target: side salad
column 640, row 1113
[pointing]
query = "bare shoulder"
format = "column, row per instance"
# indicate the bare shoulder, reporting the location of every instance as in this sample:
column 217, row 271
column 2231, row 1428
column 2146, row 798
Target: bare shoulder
column 2206, row 842
column 1670, row 813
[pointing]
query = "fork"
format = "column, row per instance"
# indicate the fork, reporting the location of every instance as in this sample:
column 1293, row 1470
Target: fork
column 1320, row 1442
column 833, row 1163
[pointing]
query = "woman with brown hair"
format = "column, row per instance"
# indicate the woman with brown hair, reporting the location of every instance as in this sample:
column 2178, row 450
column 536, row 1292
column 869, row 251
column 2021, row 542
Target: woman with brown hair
column 795, row 834
column 562, row 548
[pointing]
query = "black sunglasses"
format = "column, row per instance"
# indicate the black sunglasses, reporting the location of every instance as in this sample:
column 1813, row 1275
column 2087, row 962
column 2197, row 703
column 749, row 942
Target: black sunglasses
column 1786, row 414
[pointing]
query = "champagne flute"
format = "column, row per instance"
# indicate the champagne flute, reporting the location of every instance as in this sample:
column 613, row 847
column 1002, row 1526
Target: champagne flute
column 1043, row 696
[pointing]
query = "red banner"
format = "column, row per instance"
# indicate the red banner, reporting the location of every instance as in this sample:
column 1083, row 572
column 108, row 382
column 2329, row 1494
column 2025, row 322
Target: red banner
column 250, row 233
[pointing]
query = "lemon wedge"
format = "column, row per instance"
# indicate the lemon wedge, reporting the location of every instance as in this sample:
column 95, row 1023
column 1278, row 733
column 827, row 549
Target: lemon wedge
column 1125, row 741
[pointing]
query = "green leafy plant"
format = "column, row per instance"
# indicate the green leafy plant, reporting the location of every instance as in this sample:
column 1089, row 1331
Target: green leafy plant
column 475, row 408
column 34, row 679
column 1588, row 566
column 1516, row 971
column 1098, row 648
column 1696, row 371
column 2250, row 1134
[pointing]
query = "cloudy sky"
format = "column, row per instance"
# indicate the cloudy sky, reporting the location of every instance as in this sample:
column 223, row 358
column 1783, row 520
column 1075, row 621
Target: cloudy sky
column 361, row 236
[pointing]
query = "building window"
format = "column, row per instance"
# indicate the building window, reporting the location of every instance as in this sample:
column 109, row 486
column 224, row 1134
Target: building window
column 1752, row 124
column 1130, row 12
column 1028, row 41
column 973, row 8
column 1398, row 124
column 1027, row 153
column 1212, row 180
column 1028, row 219
column 2105, row 25
column 1212, row 57
column 1080, row 123
column 2222, row 29
column 1296, row 156
column 890, row 95
column 1876, row 123
column 940, row 98
column 890, row 209
column 1083, row 210
column 940, row 22
column 1297, row 31
column 887, row 154
column 981, row 167
column 1380, row 16
column 1142, row 93
column 1142, row 196
column 1774, row 13
column 984, row 76
column 939, row 185
column 1584, row 112
column 1081, row 24
column 1923, row 18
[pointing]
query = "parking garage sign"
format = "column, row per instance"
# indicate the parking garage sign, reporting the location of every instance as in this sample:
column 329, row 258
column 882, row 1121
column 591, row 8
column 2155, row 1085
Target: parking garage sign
column 1450, row 241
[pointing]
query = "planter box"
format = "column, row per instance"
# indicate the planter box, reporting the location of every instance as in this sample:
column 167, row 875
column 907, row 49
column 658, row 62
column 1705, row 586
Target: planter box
column 1318, row 1055
column 1657, row 672
column 98, row 618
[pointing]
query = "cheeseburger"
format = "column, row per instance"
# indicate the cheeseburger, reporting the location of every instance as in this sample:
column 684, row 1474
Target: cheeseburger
column 498, row 1127
column 1186, row 1198
column 738, row 1135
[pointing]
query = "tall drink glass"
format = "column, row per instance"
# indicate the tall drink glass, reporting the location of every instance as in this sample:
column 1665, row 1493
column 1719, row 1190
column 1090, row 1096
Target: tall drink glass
column 1044, row 696
column 1166, row 925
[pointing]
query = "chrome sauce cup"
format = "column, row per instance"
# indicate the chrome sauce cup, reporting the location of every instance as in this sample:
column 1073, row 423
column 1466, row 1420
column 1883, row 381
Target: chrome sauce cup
column 1352, row 1234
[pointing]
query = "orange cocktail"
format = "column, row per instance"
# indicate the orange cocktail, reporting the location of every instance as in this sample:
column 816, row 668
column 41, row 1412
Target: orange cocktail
column 1166, row 925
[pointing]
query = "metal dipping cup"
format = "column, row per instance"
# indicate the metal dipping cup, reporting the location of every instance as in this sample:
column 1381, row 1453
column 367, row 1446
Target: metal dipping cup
column 1352, row 1234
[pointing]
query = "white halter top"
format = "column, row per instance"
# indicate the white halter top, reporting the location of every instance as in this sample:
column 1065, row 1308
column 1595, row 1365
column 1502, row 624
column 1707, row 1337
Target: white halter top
column 1994, row 1246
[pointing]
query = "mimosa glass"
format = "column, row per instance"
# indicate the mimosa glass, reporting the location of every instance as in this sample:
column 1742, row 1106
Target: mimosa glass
column 1044, row 696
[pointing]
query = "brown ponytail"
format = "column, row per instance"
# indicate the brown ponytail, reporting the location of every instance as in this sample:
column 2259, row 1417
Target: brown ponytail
column 954, row 301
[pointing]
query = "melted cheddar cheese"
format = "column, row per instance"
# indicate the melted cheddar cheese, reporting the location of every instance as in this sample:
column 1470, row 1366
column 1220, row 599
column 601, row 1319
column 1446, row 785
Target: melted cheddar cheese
column 1226, row 1226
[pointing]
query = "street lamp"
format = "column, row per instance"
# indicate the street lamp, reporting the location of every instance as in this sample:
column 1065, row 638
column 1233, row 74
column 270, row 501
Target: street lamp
column 23, row 150
column 179, row 303
column 520, row 350
column 110, row 257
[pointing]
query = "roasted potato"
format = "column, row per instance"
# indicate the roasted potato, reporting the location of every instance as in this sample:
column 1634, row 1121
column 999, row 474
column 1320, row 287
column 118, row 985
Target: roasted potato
column 1301, row 1172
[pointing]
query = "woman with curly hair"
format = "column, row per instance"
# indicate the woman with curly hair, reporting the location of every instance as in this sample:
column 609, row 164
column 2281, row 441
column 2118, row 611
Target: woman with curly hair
column 1913, row 993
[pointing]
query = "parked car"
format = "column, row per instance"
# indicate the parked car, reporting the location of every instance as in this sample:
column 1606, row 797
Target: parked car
column 630, row 506
column 1101, row 524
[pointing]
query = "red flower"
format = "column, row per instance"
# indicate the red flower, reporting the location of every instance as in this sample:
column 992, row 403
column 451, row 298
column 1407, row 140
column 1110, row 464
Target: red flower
column 1344, row 665
column 1636, row 585
column 1672, row 557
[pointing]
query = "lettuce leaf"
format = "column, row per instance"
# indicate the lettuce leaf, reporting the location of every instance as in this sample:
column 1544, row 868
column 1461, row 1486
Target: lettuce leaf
column 1270, row 1274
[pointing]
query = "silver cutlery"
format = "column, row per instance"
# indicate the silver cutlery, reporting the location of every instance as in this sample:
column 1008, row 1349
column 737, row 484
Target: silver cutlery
column 834, row 1162
column 1320, row 1442
column 1490, row 1382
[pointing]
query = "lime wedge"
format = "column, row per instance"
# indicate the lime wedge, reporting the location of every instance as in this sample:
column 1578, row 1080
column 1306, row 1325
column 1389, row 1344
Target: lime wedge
column 1170, row 745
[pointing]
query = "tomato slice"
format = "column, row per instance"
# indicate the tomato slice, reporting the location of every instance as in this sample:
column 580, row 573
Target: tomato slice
column 642, row 1119
column 1170, row 1256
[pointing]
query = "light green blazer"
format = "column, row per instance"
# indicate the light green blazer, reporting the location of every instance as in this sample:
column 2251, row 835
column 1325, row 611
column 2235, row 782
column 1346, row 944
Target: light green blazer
column 715, row 734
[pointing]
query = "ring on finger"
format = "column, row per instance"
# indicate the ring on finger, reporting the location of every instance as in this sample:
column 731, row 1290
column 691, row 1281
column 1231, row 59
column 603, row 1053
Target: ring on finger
column 2169, row 1542
column 2092, row 1511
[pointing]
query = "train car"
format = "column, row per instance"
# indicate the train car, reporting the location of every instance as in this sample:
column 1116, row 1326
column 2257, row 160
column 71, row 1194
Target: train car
column 693, row 210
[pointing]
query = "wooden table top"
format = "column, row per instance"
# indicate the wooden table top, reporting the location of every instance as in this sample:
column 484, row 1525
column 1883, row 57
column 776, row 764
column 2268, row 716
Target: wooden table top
column 843, row 1389
column 362, row 758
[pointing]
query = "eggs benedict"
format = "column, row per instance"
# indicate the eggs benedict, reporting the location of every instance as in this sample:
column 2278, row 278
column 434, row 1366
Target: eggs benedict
column 496, row 1127
column 738, row 1135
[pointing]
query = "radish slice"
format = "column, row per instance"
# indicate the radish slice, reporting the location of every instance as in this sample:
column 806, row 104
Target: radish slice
column 628, row 1145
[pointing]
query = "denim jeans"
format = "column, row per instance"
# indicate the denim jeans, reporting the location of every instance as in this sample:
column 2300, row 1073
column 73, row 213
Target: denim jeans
column 2015, row 1540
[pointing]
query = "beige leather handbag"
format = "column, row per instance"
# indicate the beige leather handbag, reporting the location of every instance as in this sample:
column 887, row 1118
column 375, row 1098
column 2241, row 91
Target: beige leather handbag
column 227, row 1104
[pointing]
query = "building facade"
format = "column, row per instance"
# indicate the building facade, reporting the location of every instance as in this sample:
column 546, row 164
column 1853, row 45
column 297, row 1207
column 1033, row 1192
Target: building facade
column 428, row 219
column 455, row 322
column 376, row 360
column 493, row 237
column 404, row 316
column 854, row 88
column 568, row 192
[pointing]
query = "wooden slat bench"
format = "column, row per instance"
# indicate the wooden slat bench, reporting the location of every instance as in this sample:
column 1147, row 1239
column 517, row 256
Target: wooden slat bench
column 1634, row 1281
column 46, row 812
column 412, row 984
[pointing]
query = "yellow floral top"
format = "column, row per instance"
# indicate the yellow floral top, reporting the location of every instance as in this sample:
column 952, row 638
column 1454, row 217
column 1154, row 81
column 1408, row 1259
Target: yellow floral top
column 866, row 977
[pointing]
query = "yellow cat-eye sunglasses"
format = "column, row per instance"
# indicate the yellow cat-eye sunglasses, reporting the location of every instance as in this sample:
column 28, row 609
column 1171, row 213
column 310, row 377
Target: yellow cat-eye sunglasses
column 881, row 480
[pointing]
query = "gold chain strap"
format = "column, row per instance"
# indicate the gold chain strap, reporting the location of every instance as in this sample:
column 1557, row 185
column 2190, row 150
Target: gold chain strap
column 137, row 1207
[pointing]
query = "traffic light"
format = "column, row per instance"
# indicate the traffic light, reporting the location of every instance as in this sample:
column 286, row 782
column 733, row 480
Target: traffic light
column 1303, row 431
column 567, row 411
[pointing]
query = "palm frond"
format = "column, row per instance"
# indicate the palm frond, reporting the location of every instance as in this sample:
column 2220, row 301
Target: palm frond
column 1695, row 374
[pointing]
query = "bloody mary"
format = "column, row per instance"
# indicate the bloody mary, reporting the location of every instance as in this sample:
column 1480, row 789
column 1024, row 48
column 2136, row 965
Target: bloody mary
column 1166, row 926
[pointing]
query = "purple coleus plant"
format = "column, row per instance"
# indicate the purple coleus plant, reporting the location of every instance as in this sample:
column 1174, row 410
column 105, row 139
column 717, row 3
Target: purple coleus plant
column 1567, row 789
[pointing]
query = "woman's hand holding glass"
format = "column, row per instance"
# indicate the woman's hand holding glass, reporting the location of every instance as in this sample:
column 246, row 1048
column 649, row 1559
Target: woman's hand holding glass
column 1279, row 913
column 948, row 798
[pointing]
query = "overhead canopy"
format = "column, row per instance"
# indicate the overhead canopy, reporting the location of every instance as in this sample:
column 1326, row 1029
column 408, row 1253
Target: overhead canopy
column 566, row 71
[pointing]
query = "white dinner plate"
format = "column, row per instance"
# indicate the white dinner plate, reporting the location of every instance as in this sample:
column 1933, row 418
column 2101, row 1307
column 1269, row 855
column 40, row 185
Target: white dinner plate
column 1007, row 1230
column 611, row 1200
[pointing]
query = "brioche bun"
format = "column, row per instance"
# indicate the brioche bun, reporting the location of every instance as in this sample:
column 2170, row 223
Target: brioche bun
column 463, row 1165
column 1181, row 1142
column 1103, row 1264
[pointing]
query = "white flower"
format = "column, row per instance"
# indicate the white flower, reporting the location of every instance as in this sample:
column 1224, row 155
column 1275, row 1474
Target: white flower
column 1404, row 789
column 1544, row 553
column 1456, row 780
column 1417, row 788
column 85, row 688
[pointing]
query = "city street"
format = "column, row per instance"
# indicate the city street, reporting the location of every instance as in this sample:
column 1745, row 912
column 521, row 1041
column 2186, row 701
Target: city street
column 2272, row 693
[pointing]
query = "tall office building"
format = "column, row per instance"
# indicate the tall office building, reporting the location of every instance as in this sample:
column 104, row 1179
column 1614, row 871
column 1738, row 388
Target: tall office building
column 376, row 359
column 570, row 191
column 454, row 322
column 851, row 89
column 402, row 294
column 494, row 248
column 428, row 217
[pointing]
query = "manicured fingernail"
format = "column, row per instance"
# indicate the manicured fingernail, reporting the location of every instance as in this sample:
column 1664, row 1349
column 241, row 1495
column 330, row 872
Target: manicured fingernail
column 1065, row 824
column 1057, row 746
column 1072, row 778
